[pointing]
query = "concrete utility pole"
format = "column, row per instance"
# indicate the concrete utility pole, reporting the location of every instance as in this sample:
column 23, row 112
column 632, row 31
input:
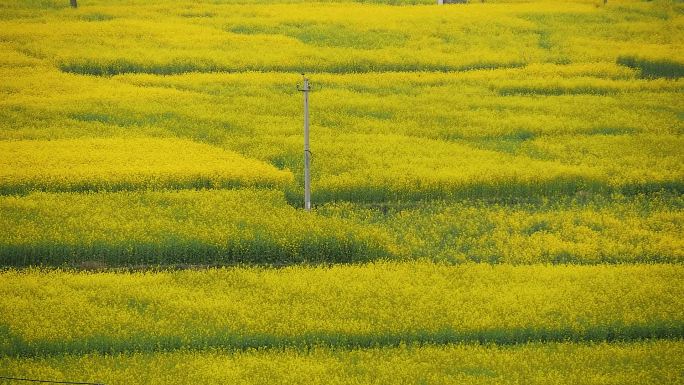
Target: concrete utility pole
column 74, row 4
column 307, row 153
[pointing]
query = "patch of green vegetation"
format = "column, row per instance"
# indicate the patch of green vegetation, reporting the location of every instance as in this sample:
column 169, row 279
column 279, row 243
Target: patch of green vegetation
column 654, row 68
column 97, row 17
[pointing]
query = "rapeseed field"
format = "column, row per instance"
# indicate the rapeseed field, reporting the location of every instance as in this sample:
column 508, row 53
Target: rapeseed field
column 497, row 192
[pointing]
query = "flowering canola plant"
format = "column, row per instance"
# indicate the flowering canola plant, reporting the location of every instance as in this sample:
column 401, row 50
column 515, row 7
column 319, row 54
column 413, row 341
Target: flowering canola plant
column 497, row 191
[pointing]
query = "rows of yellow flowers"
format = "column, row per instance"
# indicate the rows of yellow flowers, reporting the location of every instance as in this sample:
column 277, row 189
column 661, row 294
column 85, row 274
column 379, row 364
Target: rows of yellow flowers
column 480, row 102
column 390, row 167
column 259, row 226
column 371, row 148
column 541, row 112
column 177, row 227
column 642, row 363
column 128, row 164
column 163, row 37
column 579, row 230
column 359, row 305
column 513, row 171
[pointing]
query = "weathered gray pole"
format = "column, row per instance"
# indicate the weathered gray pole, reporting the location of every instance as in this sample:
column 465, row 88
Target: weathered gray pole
column 307, row 152
column 73, row 3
